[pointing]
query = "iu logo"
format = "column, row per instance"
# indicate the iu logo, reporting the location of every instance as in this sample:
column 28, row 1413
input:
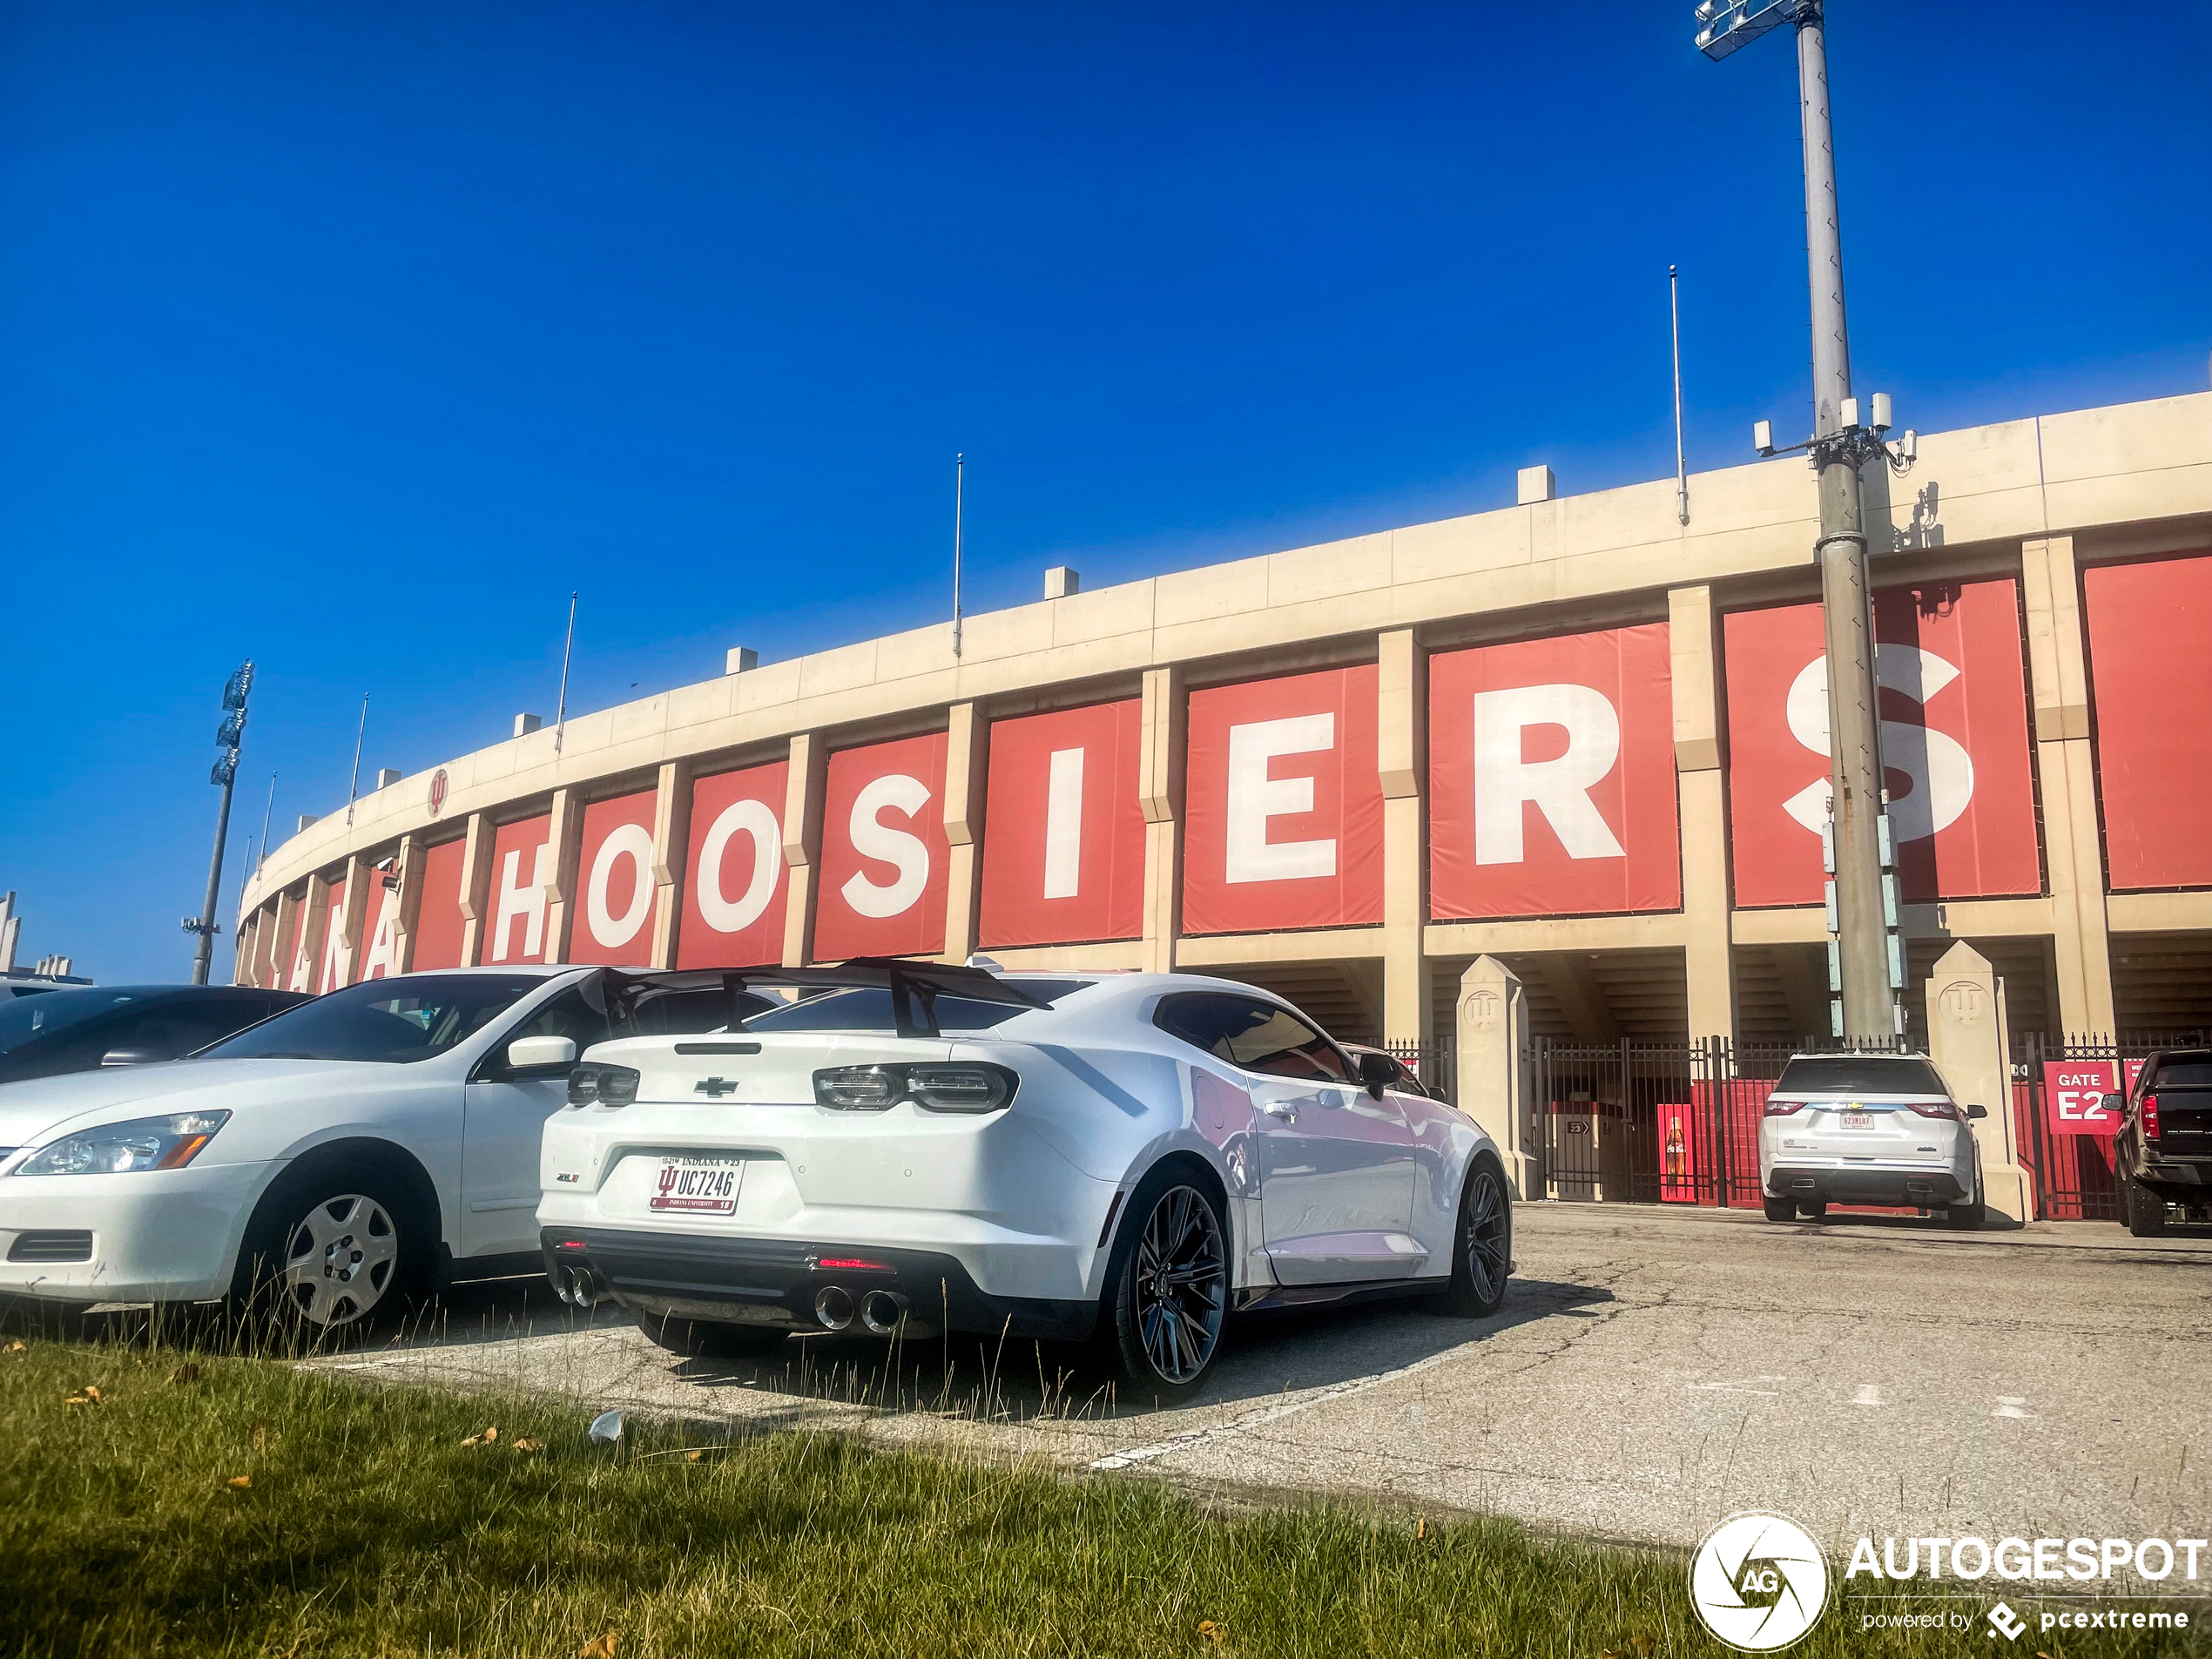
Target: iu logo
column 438, row 784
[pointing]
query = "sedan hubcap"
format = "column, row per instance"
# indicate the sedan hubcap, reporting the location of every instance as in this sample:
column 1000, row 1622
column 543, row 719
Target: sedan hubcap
column 340, row 1258
column 1182, row 1282
column 1487, row 1265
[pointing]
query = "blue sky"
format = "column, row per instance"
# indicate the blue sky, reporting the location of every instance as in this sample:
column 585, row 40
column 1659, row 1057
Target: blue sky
column 353, row 337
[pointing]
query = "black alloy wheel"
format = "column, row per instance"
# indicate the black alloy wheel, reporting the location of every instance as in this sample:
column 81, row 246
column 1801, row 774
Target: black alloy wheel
column 1481, row 1243
column 1168, row 1290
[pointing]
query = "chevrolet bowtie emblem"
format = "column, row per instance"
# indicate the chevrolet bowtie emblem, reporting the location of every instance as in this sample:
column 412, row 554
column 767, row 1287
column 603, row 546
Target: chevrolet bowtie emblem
column 714, row 1086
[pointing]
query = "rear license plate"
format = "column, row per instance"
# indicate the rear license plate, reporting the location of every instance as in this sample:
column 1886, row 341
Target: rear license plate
column 1857, row 1120
column 697, row 1186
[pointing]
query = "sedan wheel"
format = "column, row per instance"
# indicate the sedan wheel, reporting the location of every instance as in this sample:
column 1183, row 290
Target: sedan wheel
column 1169, row 1291
column 339, row 1260
column 1483, row 1244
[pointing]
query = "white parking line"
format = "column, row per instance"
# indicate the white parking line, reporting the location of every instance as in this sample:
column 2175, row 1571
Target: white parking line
column 1868, row 1394
column 2012, row 1406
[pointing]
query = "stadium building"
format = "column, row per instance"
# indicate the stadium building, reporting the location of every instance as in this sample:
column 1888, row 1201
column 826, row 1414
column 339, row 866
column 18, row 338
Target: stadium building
column 1570, row 753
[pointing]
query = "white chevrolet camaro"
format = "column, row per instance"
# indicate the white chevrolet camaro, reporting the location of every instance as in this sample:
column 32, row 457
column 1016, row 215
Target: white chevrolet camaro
column 341, row 1158
column 915, row 1149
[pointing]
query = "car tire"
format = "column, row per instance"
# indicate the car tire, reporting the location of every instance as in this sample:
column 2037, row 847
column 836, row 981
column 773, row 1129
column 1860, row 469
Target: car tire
column 712, row 1338
column 337, row 1246
column 1166, row 1299
column 1813, row 1208
column 2146, row 1210
column 1481, row 1243
column 1780, row 1209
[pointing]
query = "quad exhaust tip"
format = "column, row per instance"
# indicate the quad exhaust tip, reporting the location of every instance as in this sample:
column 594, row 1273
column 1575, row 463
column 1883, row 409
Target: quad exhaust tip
column 834, row 1307
column 883, row 1311
column 575, row 1287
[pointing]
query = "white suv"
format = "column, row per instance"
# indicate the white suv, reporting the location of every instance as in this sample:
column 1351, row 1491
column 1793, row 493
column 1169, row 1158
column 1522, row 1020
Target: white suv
column 1873, row 1129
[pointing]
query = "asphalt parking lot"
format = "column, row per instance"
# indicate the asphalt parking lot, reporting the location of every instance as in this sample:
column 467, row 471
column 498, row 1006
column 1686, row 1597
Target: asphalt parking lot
column 1652, row 1372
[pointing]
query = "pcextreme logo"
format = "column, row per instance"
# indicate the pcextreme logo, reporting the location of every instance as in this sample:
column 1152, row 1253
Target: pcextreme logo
column 1759, row 1581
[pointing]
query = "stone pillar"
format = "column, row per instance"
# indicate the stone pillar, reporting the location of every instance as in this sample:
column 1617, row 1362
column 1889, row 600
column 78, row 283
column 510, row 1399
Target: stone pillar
column 1708, row 960
column 360, row 879
column 249, row 940
column 1160, row 761
column 2066, row 775
column 564, row 835
column 1401, row 758
column 410, row 895
column 671, row 847
column 475, row 888
column 307, row 948
column 1495, row 1084
column 967, row 750
column 1968, row 1041
column 802, row 843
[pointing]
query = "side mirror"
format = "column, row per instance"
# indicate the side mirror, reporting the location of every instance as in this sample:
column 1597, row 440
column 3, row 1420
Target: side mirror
column 141, row 1056
column 1977, row 1111
column 2116, row 1104
column 1377, row 1072
column 530, row 1054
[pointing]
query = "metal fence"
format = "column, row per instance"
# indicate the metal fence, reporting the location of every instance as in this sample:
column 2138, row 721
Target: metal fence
column 2067, row 1151
column 1432, row 1063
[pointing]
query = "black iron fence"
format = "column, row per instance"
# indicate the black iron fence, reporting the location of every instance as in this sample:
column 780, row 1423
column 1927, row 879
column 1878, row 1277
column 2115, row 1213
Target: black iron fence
column 1432, row 1063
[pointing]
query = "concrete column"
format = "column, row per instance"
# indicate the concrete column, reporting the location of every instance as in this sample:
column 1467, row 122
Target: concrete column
column 360, row 878
column 671, row 845
column 967, row 752
column 306, row 948
column 249, row 940
column 1708, row 959
column 1496, row 1079
column 1968, row 1041
column 565, row 836
column 2066, row 773
column 803, row 843
column 1401, row 757
column 475, row 888
column 1160, row 761
column 268, row 971
column 410, row 874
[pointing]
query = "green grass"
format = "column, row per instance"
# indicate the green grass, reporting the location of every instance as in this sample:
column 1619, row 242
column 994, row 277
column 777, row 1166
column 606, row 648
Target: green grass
column 369, row 1528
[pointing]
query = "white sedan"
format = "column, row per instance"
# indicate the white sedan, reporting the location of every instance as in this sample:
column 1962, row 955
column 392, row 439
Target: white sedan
column 339, row 1158
column 917, row 1148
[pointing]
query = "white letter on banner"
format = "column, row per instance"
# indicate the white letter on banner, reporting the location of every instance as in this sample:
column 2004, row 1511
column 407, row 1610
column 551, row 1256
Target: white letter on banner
column 1941, row 770
column 751, row 817
column 1063, row 825
column 384, row 944
column 903, row 848
column 516, row 899
column 634, row 842
column 1254, row 798
column 1504, row 782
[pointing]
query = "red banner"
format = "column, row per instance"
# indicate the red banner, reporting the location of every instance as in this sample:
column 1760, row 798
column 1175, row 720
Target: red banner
column 736, row 881
column 612, row 914
column 438, row 924
column 1552, row 778
column 882, row 889
column 1063, row 839
column 1954, row 744
column 522, row 863
column 1284, row 806
column 2152, row 678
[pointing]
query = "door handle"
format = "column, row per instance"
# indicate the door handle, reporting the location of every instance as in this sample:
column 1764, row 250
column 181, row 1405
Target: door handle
column 1281, row 1108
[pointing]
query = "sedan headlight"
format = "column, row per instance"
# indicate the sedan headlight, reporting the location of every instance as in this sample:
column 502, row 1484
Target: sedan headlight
column 938, row 1086
column 118, row 1149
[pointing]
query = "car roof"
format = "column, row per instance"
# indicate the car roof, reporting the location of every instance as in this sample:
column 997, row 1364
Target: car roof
column 1862, row 1054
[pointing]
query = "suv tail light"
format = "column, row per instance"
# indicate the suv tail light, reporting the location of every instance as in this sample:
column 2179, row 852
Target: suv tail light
column 1940, row 1109
column 2150, row 1117
column 1781, row 1108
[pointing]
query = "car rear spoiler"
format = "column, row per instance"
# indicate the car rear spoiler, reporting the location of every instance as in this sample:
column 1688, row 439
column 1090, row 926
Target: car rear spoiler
column 914, row 986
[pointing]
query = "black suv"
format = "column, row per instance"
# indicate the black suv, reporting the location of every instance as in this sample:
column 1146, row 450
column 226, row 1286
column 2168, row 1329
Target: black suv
column 124, row 1025
column 2162, row 1155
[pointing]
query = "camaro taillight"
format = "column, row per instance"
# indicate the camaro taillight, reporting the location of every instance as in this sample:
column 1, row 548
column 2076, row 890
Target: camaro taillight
column 935, row 1086
column 2150, row 1117
column 1938, row 1109
column 601, row 1085
column 1781, row 1107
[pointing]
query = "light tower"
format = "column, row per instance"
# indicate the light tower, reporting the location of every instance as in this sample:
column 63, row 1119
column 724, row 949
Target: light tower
column 1866, row 959
column 228, row 736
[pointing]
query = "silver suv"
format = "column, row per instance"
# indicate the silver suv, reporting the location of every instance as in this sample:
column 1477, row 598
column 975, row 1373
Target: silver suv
column 1873, row 1129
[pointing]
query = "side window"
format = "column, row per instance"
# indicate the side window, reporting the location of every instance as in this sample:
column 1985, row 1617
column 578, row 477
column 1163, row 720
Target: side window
column 179, row 1030
column 1254, row 1036
column 570, row 1015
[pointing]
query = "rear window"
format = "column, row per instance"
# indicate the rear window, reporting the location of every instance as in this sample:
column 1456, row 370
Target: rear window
column 2184, row 1074
column 869, row 1009
column 1856, row 1073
